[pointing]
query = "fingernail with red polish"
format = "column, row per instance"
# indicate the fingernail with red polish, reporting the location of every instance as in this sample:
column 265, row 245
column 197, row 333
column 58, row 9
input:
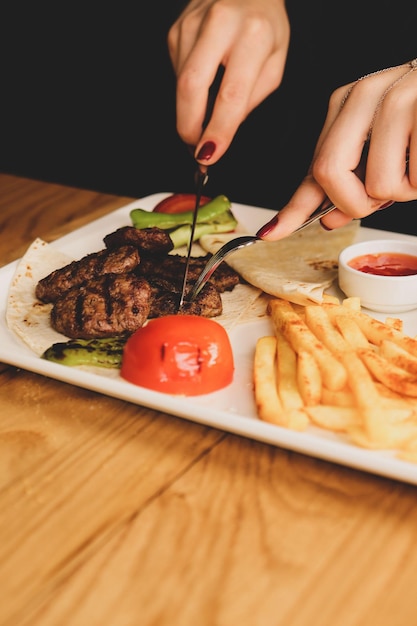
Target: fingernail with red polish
column 386, row 205
column 206, row 151
column 266, row 228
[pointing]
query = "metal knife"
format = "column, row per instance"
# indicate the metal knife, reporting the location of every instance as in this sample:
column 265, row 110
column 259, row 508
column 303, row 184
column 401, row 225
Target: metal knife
column 201, row 178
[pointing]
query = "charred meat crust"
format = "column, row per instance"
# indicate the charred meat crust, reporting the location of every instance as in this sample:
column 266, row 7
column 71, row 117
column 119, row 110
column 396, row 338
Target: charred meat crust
column 117, row 261
column 118, row 304
column 112, row 305
column 113, row 292
column 147, row 240
column 166, row 296
column 171, row 266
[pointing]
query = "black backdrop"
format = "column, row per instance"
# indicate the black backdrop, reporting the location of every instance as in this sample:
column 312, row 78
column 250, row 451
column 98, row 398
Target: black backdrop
column 88, row 99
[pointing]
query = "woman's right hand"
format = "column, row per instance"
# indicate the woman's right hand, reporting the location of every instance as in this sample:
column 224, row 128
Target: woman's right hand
column 250, row 39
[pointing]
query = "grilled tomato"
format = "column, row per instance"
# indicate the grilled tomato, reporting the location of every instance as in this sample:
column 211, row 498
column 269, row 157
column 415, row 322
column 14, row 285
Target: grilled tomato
column 179, row 203
column 179, row 354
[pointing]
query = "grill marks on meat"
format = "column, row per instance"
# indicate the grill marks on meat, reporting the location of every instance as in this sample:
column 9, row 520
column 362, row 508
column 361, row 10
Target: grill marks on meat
column 165, row 275
column 117, row 261
column 112, row 305
column 114, row 291
column 166, row 296
column 171, row 266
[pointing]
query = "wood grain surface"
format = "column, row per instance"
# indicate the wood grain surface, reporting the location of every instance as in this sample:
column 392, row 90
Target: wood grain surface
column 116, row 515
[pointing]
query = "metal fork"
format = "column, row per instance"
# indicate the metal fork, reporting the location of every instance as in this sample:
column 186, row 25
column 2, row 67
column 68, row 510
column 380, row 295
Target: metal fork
column 241, row 242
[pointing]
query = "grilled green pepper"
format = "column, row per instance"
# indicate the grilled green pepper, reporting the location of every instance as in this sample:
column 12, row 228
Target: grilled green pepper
column 207, row 213
column 105, row 352
column 224, row 223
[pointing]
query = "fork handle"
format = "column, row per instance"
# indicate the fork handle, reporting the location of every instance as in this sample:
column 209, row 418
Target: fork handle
column 317, row 215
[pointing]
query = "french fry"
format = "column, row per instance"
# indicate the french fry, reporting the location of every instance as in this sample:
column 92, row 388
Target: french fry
column 329, row 298
column 367, row 399
column 352, row 304
column 351, row 332
column 395, row 322
column 320, row 324
column 390, row 435
column 400, row 357
column 287, row 374
column 342, row 397
column 390, row 375
column 377, row 331
column 298, row 419
column 336, row 418
column 290, row 324
column 309, row 379
column 340, row 369
column 387, row 399
column 268, row 404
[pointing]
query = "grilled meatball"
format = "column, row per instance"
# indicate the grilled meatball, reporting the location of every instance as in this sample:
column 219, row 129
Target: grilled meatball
column 166, row 296
column 171, row 266
column 108, row 306
column 147, row 240
column 117, row 261
column 209, row 301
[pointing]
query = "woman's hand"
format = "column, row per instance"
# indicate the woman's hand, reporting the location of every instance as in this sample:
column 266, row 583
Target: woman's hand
column 249, row 39
column 378, row 111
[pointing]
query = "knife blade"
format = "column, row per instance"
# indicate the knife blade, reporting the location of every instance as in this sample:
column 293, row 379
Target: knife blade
column 201, row 178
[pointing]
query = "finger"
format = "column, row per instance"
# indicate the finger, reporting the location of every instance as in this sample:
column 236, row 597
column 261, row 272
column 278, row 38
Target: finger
column 393, row 143
column 381, row 81
column 339, row 152
column 253, row 69
column 307, row 198
column 236, row 98
column 184, row 33
column 207, row 53
column 336, row 157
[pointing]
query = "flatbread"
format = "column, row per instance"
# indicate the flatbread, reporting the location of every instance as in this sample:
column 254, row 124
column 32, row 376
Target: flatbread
column 298, row 268
column 26, row 316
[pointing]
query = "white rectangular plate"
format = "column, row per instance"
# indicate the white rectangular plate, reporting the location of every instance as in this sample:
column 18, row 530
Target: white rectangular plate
column 231, row 409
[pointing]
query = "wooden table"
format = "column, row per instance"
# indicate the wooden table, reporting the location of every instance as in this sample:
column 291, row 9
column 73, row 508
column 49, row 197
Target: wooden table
column 117, row 515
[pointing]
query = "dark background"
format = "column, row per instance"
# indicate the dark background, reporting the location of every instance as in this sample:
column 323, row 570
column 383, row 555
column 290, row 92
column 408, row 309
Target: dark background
column 88, row 99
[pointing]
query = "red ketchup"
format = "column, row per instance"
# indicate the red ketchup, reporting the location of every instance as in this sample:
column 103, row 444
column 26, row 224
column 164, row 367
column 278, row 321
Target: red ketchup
column 385, row 264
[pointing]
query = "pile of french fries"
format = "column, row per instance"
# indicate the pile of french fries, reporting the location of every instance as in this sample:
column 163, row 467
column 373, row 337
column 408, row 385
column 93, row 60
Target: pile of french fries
column 333, row 366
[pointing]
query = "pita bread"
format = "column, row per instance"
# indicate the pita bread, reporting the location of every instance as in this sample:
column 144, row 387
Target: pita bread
column 298, row 268
column 25, row 315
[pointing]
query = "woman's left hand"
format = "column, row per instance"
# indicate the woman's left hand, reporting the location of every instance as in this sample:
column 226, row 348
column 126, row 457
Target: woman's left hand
column 378, row 112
